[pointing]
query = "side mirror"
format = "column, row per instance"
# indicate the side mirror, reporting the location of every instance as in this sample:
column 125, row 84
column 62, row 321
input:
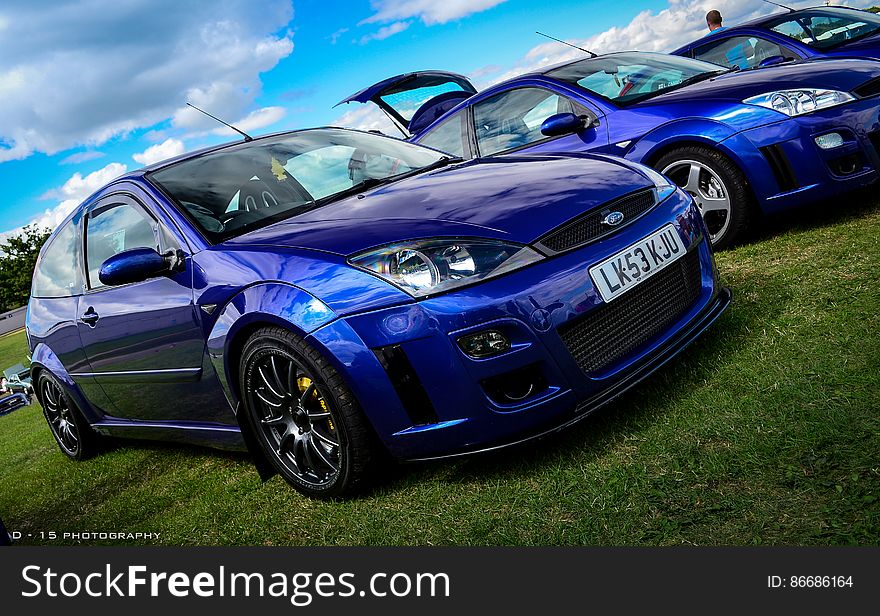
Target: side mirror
column 139, row 264
column 771, row 60
column 562, row 124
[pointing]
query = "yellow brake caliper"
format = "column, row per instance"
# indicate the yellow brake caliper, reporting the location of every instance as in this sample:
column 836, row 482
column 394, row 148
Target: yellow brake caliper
column 304, row 383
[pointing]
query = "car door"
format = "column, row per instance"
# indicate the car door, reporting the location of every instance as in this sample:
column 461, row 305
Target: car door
column 143, row 341
column 510, row 121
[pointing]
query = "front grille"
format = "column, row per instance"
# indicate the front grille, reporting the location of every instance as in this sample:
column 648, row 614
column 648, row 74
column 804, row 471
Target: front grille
column 611, row 331
column 781, row 167
column 589, row 227
column 870, row 88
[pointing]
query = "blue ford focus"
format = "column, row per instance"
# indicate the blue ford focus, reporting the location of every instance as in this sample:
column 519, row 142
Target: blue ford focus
column 324, row 297
column 818, row 32
column 740, row 142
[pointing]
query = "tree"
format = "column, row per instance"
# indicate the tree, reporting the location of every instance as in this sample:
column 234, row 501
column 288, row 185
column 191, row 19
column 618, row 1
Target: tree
column 874, row 9
column 18, row 256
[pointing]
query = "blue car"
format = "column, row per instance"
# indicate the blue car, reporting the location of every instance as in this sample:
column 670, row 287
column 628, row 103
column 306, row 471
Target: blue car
column 12, row 401
column 324, row 297
column 740, row 142
column 820, row 32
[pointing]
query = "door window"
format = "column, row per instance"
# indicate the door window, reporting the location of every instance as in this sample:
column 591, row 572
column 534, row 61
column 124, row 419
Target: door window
column 741, row 52
column 513, row 119
column 112, row 229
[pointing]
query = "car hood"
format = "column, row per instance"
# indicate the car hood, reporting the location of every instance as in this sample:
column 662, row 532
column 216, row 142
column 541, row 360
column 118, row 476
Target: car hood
column 844, row 75
column 516, row 199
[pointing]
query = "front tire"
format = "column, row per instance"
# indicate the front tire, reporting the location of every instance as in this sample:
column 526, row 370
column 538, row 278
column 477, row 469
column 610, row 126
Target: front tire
column 719, row 188
column 305, row 418
column 73, row 434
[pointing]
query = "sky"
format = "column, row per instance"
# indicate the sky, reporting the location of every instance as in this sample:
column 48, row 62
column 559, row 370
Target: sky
column 91, row 89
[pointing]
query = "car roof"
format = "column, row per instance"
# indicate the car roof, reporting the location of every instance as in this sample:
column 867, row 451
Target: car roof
column 764, row 19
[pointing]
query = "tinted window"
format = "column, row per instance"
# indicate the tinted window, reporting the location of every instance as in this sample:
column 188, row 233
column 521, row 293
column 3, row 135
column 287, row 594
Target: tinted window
column 741, row 51
column 827, row 28
column 112, row 229
column 630, row 77
column 513, row 119
column 447, row 137
column 242, row 187
column 57, row 273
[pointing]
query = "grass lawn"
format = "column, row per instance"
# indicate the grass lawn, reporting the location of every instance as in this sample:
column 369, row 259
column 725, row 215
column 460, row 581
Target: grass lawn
column 766, row 431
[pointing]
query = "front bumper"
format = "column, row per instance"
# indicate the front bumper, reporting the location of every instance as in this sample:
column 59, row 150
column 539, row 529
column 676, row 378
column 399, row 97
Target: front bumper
column 787, row 169
column 456, row 411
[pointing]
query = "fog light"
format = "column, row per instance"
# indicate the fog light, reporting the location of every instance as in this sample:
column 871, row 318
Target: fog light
column 829, row 141
column 484, row 344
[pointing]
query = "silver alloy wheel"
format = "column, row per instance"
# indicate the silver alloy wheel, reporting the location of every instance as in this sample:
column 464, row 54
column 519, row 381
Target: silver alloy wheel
column 60, row 417
column 708, row 190
column 295, row 418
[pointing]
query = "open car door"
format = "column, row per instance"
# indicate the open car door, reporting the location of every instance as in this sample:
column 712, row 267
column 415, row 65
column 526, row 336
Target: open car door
column 414, row 100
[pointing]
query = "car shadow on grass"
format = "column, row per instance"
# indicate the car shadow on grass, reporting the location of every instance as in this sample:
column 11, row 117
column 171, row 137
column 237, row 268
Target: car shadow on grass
column 841, row 210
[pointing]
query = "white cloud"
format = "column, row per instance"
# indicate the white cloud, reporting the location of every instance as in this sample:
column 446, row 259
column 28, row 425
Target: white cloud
column 73, row 192
column 161, row 151
column 386, row 31
column 85, row 71
column 367, row 117
column 261, row 118
column 334, row 38
column 431, row 12
column 81, row 157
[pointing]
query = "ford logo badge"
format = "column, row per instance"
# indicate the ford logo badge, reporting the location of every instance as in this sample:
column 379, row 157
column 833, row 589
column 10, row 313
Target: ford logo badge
column 612, row 219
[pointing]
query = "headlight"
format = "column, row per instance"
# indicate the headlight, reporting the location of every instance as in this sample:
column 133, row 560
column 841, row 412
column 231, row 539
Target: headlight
column 799, row 102
column 663, row 187
column 424, row 267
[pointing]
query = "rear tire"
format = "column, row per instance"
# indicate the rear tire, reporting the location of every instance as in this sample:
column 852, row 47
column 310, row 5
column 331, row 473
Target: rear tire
column 75, row 437
column 306, row 420
column 719, row 188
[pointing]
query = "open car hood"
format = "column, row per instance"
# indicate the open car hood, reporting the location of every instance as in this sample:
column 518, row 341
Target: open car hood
column 414, row 100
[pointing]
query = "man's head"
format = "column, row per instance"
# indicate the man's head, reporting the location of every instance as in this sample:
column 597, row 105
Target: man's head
column 713, row 19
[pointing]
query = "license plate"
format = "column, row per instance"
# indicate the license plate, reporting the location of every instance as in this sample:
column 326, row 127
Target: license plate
column 618, row 274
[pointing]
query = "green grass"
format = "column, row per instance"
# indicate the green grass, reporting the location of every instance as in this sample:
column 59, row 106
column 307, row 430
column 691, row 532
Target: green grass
column 766, row 431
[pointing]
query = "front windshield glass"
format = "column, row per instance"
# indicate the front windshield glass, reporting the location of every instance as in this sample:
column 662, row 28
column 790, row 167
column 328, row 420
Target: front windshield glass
column 625, row 78
column 246, row 186
column 828, row 28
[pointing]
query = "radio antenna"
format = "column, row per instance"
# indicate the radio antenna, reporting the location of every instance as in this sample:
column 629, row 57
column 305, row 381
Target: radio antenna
column 587, row 51
column 240, row 132
column 782, row 6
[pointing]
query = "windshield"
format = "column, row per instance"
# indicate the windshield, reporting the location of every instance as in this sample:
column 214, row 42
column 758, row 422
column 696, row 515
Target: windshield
column 246, row 186
column 626, row 78
column 828, row 28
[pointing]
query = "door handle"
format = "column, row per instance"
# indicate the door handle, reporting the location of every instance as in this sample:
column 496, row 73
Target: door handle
column 90, row 317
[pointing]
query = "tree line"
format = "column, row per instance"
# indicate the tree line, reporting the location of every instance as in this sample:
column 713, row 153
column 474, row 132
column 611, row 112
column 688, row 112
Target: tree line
column 18, row 256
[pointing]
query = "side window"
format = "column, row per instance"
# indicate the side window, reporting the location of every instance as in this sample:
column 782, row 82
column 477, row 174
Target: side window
column 741, row 51
column 447, row 137
column 112, row 229
column 513, row 119
column 57, row 273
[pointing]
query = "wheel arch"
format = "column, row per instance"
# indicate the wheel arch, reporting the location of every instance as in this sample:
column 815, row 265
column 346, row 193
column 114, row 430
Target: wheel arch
column 264, row 304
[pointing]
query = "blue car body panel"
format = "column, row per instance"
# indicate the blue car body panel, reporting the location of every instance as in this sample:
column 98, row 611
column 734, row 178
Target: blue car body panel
column 165, row 366
column 712, row 113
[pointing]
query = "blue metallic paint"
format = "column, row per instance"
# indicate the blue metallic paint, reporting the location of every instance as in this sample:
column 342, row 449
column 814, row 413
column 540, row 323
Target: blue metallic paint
column 294, row 274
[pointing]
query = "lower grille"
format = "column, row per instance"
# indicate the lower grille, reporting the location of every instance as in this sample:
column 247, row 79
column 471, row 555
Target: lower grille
column 612, row 331
column 589, row 227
